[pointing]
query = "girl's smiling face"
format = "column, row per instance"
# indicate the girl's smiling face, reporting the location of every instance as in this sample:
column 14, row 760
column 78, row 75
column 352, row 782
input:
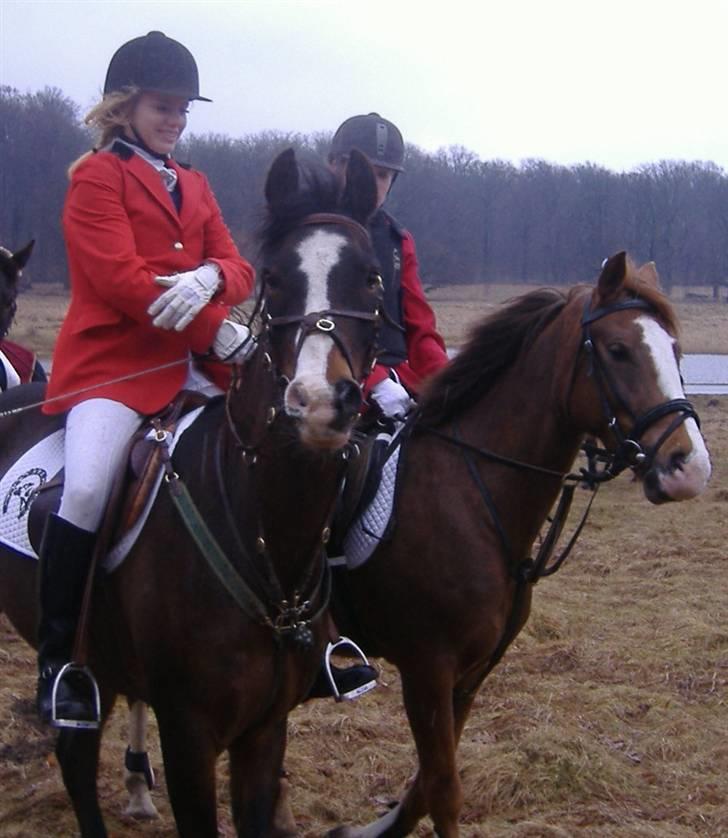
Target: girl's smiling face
column 159, row 120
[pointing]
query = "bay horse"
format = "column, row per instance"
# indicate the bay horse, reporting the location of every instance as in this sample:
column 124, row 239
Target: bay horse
column 485, row 458
column 216, row 618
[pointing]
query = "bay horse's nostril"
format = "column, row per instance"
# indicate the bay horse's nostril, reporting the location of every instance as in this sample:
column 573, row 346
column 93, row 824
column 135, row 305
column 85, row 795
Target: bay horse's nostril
column 296, row 398
column 348, row 398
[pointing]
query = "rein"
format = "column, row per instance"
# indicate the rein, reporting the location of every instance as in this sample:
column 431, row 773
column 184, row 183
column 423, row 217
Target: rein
column 16, row 410
column 630, row 451
column 264, row 600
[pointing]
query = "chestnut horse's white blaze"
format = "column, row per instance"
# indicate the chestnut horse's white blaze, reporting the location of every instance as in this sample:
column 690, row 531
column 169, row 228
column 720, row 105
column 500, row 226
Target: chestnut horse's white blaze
column 691, row 475
column 310, row 396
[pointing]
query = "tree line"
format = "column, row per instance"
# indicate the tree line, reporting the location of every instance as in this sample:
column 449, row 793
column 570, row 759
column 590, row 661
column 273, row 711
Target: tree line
column 474, row 220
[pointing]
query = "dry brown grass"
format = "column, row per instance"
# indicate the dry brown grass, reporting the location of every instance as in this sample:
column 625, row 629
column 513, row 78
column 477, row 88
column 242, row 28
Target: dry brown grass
column 458, row 307
column 607, row 717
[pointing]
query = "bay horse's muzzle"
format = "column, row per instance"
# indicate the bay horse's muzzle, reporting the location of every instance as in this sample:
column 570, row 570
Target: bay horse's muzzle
column 325, row 413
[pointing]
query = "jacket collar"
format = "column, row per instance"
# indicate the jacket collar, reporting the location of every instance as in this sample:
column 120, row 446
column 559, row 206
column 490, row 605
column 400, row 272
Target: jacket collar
column 190, row 186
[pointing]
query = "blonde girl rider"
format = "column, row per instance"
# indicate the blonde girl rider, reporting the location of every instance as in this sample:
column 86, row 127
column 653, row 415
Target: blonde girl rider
column 153, row 272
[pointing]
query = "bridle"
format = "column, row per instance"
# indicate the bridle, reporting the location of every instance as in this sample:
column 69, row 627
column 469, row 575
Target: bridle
column 629, row 451
column 309, row 323
column 264, row 599
column 325, row 321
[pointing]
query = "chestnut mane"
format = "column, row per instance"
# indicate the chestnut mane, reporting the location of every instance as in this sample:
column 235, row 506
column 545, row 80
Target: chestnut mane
column 500, row 338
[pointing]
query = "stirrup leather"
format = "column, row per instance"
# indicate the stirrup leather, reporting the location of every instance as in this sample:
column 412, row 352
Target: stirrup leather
column 357, row 691
column 79, row 724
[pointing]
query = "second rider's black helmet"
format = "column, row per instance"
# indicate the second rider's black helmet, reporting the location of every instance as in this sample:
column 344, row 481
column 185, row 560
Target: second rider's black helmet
column 373, row 135
column 155, row 63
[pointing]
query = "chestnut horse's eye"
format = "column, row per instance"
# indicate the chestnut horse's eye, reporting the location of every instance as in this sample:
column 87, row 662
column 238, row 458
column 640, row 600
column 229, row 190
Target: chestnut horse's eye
column 618, row 352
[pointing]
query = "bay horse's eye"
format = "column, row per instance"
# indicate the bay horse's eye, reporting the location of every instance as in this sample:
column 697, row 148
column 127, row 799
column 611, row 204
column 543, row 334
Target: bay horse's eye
column 618, row 352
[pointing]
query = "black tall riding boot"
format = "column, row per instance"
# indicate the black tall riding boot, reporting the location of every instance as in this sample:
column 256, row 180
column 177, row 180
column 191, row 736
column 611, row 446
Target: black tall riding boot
column 65, row 559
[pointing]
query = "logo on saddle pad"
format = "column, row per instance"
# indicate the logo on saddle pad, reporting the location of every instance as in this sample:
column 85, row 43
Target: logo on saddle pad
column 25, row 488
column 39, row 465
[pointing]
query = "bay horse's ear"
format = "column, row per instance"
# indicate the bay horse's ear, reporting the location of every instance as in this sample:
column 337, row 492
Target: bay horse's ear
column 612, row 276
column 648, row 274
column 360, row 193
column 20, row 257
column 283, row 178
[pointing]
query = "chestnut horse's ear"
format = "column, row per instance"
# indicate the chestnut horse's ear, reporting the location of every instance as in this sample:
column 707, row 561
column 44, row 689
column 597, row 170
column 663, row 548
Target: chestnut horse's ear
column 612, row 276
column 648, row 274
column 20, row 257
column 360, row 193
column 283, row 178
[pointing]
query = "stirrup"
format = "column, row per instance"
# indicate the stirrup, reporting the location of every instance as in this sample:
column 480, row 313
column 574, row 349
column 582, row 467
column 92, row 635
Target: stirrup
column 350, row 695
column 79, row 724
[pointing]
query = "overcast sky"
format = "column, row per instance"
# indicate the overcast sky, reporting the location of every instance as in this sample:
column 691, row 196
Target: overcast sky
column 615, row 82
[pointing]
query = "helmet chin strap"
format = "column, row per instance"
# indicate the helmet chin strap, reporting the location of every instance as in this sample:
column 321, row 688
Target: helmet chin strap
column 135, row 139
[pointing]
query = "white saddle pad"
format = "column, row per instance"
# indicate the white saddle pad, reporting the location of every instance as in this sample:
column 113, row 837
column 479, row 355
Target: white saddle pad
column 39, row 465
column 368, row 530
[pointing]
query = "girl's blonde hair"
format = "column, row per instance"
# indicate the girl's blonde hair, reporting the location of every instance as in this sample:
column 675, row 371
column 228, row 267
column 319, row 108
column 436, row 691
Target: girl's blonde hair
column 109, row 118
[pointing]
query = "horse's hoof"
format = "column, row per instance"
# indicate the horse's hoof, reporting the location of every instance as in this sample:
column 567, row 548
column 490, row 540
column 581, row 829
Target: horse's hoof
column 140, row 805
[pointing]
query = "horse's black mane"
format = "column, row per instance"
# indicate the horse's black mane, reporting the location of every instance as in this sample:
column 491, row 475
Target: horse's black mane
column 492, row 347
column 319, row 191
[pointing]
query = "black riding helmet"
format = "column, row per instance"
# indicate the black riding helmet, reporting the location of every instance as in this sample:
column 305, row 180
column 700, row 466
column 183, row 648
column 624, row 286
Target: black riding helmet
column 155, row 63
column 373, row 135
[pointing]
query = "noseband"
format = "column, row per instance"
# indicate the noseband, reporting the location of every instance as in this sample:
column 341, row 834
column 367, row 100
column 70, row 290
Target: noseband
column 325, row 321
column 630, row 451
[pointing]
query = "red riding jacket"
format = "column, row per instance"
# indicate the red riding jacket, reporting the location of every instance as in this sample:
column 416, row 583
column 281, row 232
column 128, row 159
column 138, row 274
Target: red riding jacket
column 425, row 348
column 122, row 229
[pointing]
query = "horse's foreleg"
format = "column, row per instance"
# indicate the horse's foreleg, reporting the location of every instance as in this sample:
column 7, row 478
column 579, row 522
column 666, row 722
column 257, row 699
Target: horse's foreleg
column 188, row 750
column 78, row 756
column 257, row 790
column 436, row 787
column 138, row 774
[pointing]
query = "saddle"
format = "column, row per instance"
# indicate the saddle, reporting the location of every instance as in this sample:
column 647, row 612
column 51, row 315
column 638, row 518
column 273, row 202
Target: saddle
column 371, row 447
column 133, row 484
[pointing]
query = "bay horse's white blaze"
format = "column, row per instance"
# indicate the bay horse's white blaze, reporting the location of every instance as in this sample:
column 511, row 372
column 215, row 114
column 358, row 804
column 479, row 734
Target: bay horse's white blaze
column 310, row 396
column 692, row 474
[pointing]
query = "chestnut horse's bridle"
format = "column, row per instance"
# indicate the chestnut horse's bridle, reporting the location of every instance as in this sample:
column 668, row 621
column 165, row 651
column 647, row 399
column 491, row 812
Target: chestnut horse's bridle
column 630, row 451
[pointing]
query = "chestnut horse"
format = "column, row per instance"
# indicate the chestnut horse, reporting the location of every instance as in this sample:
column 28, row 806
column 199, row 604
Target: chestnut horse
column 486, row 457
column 215, row 618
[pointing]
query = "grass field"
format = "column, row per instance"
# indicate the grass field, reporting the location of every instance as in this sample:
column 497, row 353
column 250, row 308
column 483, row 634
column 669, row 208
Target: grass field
column 608, row 716
column 457, row 307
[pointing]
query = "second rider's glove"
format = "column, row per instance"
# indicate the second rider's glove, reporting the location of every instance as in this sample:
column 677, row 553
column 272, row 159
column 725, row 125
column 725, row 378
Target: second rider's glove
column 233, row 342
column 391, row 398
column 188, row 294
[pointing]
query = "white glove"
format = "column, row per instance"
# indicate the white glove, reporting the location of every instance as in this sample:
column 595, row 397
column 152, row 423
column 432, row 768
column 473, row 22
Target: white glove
column 188, row 294
column 233, row 342
column 391, row 397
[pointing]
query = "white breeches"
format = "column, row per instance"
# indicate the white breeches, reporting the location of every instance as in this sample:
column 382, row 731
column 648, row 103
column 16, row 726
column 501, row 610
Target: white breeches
column 97, row 434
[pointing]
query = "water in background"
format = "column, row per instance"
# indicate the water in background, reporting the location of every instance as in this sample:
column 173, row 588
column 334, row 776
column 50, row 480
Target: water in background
column 705, row 374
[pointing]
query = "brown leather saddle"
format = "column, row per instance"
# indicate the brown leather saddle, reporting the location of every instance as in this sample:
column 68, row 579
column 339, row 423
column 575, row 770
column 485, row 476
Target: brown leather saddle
column 132, row 486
